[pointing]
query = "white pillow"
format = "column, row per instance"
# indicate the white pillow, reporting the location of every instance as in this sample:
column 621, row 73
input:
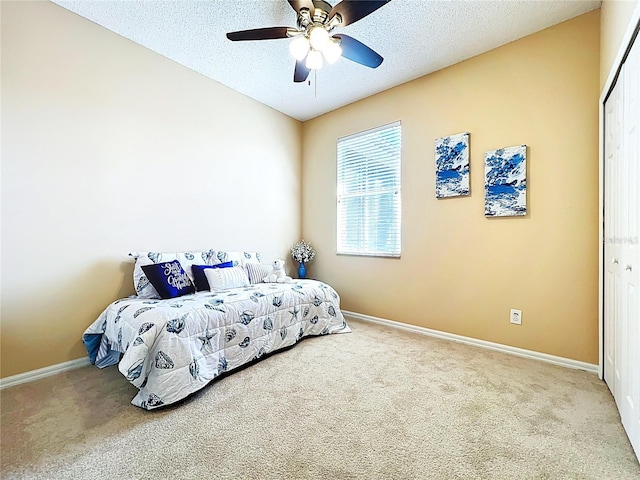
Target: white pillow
column 257, row 271
column 225, row 278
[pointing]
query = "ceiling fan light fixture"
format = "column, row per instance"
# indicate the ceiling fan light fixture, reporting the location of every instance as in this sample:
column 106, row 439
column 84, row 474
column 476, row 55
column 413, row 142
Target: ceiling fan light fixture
column 313, row 38
column 314, row 60
column 319, row 38
column 299, row 47
column 332, row 51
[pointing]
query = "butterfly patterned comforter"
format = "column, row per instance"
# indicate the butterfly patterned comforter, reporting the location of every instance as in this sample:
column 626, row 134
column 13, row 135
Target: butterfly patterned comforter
column 172, row 348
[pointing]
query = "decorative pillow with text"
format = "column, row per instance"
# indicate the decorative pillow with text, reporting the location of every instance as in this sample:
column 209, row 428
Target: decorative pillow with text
column 169, row 279
column 144, row 288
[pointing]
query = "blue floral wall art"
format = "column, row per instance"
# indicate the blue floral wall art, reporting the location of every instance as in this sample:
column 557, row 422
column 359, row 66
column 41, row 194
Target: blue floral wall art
column 452, row 165
column 505, row 182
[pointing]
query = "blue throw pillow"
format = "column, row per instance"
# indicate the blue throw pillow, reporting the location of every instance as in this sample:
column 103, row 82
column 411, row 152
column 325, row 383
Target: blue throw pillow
column 169, row 279
column 200, row 278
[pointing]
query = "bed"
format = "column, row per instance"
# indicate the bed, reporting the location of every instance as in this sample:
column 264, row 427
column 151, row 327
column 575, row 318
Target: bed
column 171, row 348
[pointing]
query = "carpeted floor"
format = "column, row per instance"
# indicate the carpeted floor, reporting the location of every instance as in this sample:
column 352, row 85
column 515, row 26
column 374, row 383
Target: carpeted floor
column 373, row 404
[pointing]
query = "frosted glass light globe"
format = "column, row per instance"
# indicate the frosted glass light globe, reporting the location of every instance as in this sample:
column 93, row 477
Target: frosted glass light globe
column 299, row 47
column 319, row 38
column 314, row 60
column 332, row 51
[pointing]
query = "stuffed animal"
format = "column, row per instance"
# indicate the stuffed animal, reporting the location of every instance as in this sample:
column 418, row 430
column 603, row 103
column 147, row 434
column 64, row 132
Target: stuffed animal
column 278, row 274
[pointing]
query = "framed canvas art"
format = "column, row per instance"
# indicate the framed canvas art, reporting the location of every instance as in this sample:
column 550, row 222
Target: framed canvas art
column 505, row 182
column 452, row 165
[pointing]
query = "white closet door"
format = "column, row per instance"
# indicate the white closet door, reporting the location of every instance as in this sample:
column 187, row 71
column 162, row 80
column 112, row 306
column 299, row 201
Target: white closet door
column 622, row 245
column 612, row 179
column 628, row 395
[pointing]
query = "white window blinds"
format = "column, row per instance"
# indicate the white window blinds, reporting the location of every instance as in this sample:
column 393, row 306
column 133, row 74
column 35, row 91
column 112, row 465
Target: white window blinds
column 369, row 192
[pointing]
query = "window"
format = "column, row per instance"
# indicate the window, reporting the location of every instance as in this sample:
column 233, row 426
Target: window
column 369, row 192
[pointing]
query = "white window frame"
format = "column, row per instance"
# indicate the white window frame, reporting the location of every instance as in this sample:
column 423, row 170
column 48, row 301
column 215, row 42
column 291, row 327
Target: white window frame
column 380, row 150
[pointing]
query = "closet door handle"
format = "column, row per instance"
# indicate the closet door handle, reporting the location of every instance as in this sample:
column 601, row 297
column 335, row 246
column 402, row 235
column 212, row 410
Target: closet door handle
column 628, row 267
column 615, row 261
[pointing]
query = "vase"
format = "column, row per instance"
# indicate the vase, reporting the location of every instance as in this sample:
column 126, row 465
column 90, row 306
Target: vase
column 302, row 270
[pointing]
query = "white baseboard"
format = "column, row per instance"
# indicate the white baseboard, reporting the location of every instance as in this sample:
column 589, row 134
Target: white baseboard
column 42, row 372
column 521, row 352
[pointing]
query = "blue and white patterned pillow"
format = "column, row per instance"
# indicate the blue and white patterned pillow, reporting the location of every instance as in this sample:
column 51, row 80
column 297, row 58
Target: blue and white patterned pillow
column 238, row 258
column 169, row 279
column 251, row 257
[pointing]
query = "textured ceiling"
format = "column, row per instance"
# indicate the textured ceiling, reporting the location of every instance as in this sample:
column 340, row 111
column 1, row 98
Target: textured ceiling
column 415, row 37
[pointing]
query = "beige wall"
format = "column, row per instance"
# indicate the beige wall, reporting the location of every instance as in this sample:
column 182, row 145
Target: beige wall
column 109, row 148
column 614, row 21
column 461, row 272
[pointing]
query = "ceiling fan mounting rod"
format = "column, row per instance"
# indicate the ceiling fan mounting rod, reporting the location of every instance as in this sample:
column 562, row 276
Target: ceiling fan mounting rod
column 321, row 11
column 320, row 15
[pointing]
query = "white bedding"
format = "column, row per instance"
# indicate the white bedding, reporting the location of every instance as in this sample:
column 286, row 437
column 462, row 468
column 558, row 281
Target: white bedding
column 172, row 348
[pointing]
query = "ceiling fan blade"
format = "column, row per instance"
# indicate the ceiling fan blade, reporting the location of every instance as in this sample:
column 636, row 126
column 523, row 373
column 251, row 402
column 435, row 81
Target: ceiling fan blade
column 299, row 4
column 353, row 10
column 269, row 33
column 358, row 52
column 301, row 72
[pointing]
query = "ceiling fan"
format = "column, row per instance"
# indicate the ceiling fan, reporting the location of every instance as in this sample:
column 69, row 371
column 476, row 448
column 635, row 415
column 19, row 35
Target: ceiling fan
column 312, row 35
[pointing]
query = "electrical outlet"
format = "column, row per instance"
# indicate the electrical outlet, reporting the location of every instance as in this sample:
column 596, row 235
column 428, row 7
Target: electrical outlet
column 516, row 316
